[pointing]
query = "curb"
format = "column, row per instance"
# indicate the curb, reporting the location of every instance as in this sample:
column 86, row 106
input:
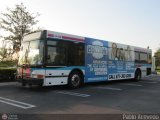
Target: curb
column 8, row 83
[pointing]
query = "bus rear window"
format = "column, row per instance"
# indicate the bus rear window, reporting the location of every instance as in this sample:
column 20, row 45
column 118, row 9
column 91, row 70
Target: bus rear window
column 143, row 57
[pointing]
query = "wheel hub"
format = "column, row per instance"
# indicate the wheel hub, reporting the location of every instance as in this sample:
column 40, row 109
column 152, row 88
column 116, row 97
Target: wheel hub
column 75, row 80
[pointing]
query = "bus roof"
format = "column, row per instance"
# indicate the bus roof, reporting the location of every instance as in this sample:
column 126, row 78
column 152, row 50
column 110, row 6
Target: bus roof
column 59, row 35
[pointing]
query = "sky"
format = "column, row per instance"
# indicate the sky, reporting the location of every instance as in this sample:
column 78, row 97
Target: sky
column 132, row 22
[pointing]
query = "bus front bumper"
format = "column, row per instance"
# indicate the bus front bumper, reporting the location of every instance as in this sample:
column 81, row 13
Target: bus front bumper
column 31, row 81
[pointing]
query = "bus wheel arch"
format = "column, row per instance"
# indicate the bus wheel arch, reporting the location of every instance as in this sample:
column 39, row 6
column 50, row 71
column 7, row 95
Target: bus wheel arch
column 138, row 74
column 75, row 79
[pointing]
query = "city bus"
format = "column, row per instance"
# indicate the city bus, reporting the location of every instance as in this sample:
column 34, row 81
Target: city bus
column 49, row 58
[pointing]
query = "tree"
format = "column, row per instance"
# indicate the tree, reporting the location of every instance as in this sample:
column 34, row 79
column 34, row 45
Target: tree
column 17, row 22
column 157, row 57
column 5, row 52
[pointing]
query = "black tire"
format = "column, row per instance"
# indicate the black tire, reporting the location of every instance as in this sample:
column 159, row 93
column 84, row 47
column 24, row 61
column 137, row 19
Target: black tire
column 75, row 80
column 137, row 75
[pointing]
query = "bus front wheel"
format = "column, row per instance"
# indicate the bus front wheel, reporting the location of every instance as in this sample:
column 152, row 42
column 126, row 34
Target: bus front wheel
column 137, row 75
column 75, row 80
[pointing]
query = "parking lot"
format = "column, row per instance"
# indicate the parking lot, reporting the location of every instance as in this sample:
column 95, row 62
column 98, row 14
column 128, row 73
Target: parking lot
column 116, row 97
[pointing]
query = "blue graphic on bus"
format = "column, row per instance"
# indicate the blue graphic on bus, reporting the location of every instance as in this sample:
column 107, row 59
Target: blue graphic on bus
column 120, row 69
column 95, row 60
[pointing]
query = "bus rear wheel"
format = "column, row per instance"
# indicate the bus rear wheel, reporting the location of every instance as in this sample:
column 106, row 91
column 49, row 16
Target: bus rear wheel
column 75, row 80
column 137, row 75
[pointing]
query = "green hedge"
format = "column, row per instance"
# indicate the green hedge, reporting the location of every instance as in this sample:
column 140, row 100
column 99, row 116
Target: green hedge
column 8, row 63
column 7, row 74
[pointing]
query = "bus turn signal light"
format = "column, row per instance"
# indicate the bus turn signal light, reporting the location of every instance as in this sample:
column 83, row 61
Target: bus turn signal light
column 40, row 76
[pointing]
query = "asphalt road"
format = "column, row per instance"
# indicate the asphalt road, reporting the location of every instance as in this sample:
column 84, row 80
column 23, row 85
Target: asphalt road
column 117, row 97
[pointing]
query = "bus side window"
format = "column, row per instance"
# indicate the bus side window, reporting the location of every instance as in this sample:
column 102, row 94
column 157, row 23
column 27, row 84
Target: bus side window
column 81, row 55
column 51, row 54
column 149, row 58
column 76, row 54
column 137, row 57
column 71, row 54
column 143, row 57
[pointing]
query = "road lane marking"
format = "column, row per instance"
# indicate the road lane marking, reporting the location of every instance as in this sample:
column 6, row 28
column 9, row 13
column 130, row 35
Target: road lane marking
column 151, row 79
column 109, row 88
column 16, row 103
column 73, row 94
column 132, row 84
column 148, row 82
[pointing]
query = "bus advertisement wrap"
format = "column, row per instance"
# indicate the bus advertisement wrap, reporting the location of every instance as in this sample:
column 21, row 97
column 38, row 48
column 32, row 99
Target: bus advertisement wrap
column 121, row 61
column 96, row 60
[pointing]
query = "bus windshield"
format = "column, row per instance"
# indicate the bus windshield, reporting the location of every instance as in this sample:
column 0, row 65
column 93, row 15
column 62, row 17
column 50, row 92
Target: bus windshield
column 31, row 53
